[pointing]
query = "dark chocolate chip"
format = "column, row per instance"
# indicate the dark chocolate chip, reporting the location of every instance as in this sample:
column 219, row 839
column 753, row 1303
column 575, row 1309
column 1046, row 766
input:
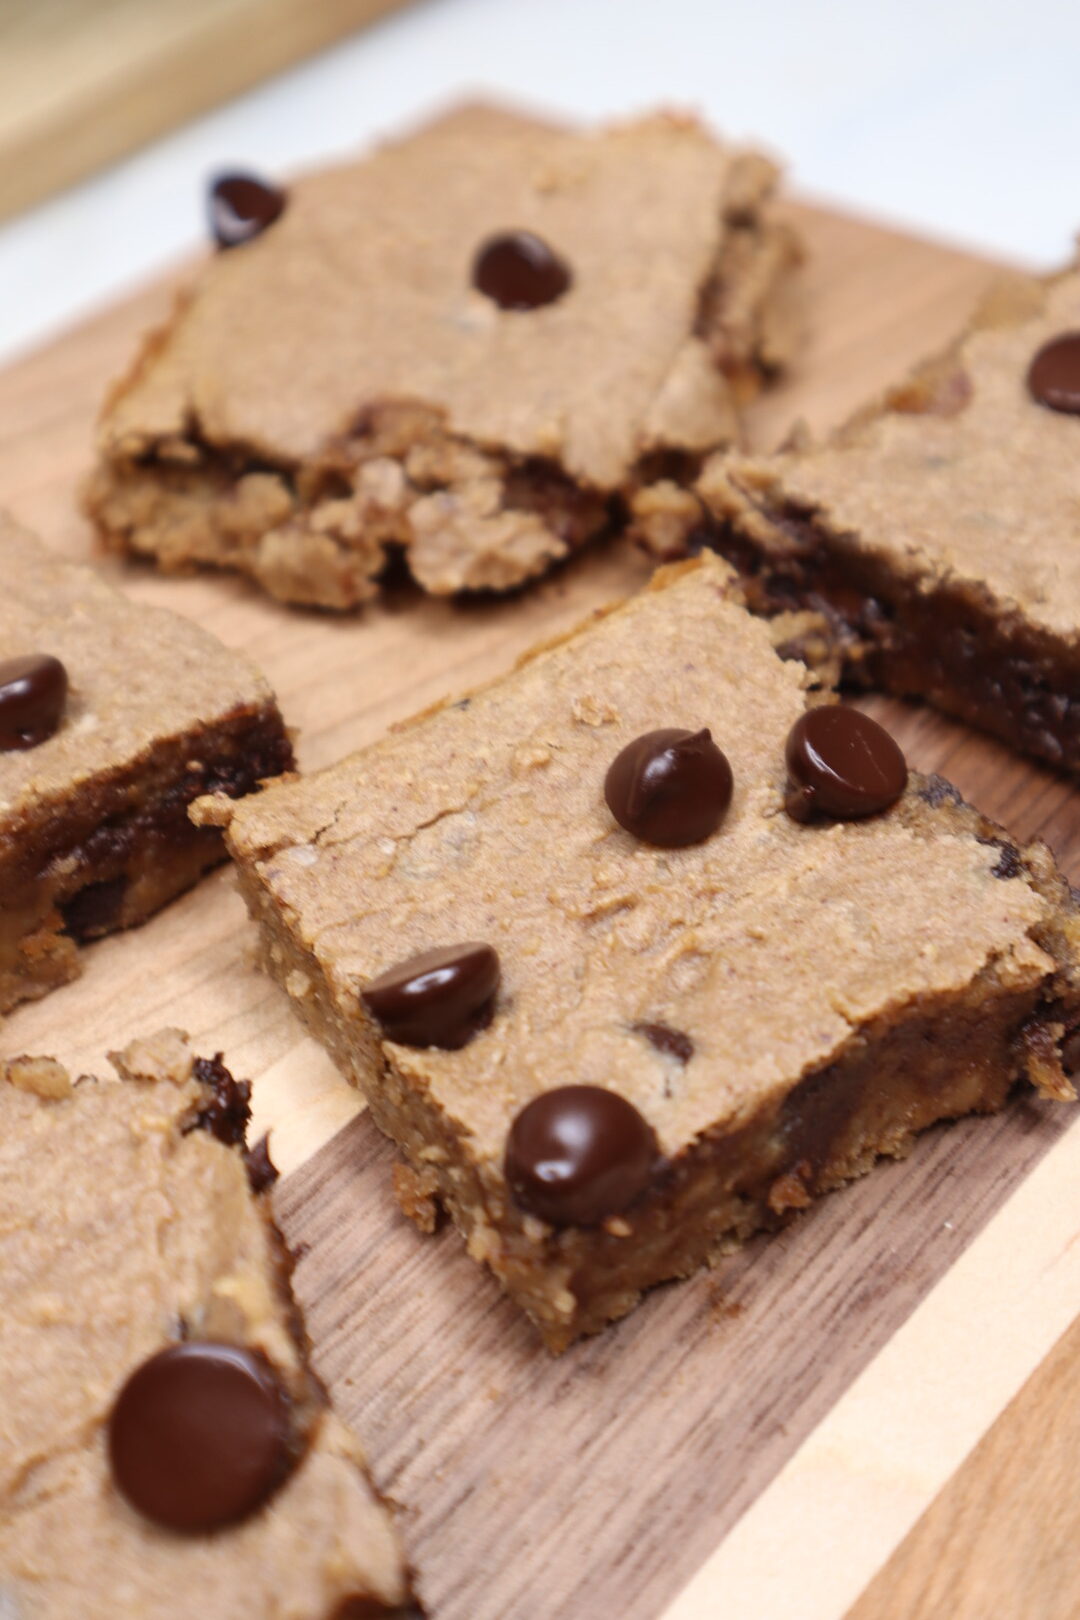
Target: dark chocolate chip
column 669, row 787
column 701, row 538
column 841, row 764
column 936, row 791
column 226, row 1112
column 1070, row 1052
column 442, row 997
column 1008, row 864
column 33, row 691
column 578, row 1154
column 519, row 271
column 94, row 909
column 261, row 1169
column 1053, row 377
column 241, row 207
column 199, row 1436
column 672, row 1042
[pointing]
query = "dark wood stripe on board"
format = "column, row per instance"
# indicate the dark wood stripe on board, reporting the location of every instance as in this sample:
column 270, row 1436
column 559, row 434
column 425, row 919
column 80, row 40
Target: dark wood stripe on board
column 535, row 1488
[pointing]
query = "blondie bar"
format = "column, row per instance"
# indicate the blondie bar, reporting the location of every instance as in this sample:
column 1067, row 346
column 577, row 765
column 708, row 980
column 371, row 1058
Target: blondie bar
column 935, row 539
column 467, row 349
column 113, row 718
column 166, row 1449
column 633, row 952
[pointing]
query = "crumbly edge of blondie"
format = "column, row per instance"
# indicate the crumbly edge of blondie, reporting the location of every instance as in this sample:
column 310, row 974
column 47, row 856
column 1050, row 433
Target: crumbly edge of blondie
column 398, row 483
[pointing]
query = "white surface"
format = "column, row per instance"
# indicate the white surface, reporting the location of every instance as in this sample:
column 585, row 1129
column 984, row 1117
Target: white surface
column 959, row 118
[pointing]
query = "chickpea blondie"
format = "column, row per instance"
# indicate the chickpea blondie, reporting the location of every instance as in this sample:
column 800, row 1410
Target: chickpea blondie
column 466, row 350
column 637, row 950
column 113, row 718
column 165, row 1448
column 935, row 540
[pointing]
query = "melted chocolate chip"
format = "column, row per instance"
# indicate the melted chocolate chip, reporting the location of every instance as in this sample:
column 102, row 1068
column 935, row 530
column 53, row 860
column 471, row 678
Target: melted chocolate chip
column 33, row 691
column 1070, row 1052
column 669, row 787
column 442, row 997
column 936, row 791
column 199, row 1436
column 701, row 538
column 261, row 1169
column 227, row 1112
column 241, row 207
column 841, row 764
column 672, row 1042
column 1053, row 377
column 578, row 1154
column 94, row 909
column 1008, row 864
column 518, row 270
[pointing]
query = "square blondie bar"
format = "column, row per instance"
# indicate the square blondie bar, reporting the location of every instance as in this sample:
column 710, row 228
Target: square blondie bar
column 751, row 979
column 113, row 718
column 165, row 1449
column 466, row 349
column 936, row 538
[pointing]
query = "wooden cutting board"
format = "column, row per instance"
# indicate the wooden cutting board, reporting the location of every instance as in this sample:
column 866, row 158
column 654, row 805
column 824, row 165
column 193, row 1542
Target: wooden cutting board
column 83, row 82
column 831, row 1418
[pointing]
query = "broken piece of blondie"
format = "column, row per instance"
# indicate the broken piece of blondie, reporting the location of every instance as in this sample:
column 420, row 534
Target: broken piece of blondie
column 166, row 1449
column 113, row 718
column 468, row 349
column 935, row 541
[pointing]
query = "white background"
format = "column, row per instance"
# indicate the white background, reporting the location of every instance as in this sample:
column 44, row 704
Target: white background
column 959, row 118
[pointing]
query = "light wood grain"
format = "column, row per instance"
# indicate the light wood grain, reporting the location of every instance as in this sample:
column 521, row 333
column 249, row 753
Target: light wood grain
column 82, row 82
column 1001, row 1538
column 597, row 1484
column 815, row 1538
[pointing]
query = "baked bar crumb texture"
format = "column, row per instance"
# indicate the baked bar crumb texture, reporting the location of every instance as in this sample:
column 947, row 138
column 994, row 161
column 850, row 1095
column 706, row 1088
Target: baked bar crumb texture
column 337, row 392
column 825, row 991
column 94, row 830
column 128, row 1228
column 934, row 543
